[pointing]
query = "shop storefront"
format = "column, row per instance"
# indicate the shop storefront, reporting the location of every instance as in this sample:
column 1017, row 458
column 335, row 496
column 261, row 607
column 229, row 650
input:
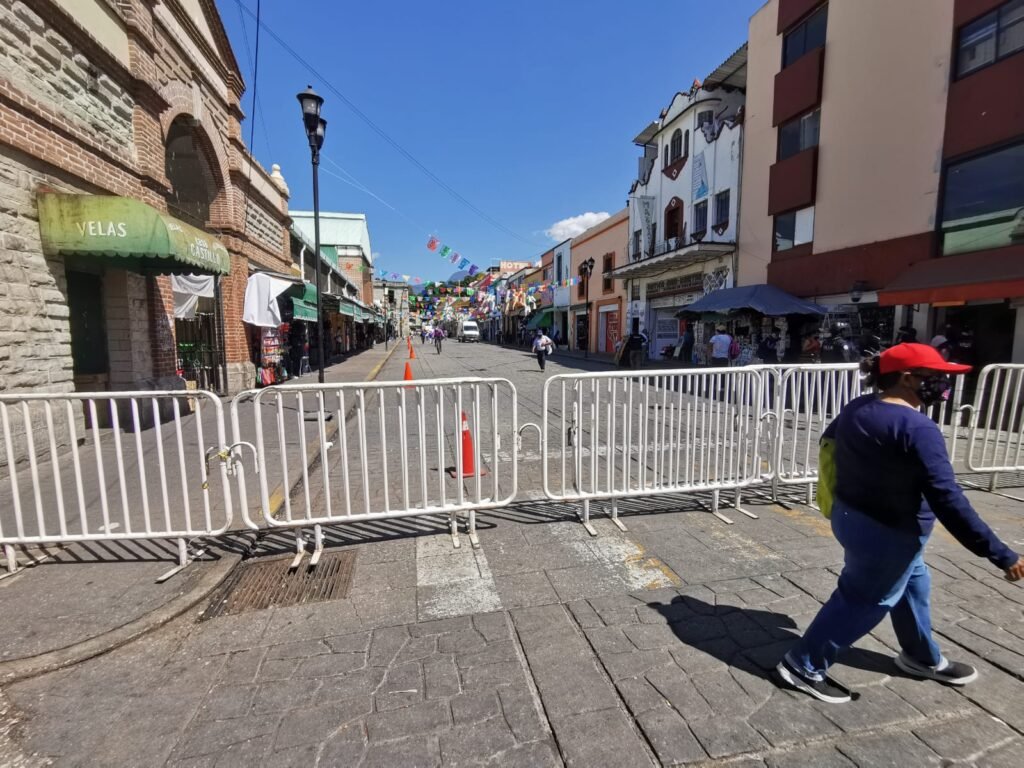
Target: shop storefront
column 579, row 320
column 116, row 253
column 609, row 326
column 198, row 332
column 665, row 298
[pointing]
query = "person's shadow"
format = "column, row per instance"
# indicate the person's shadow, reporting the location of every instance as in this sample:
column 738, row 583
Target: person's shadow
column 750, row 639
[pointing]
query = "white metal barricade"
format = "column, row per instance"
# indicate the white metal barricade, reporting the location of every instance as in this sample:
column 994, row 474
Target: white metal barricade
column 996, row 442
column 807, row 399
column 340, row 453
column 112, row 466
column 617, row 435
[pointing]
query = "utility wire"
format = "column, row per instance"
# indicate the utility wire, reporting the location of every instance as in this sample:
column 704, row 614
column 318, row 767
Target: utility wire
column 354, row 182
column 384, row 135
column 257, row 107
column 255, row 61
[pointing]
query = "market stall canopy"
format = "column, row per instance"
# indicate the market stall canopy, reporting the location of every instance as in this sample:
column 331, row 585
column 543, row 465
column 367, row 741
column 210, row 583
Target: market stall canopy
column 304, row 302
column 128, row 233
column 261, row 292
column 539, row 319
column 766, row 299
column 956, row 280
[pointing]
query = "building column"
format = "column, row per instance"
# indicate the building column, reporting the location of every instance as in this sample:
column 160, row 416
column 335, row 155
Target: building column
column 164, row 355
column 241, row 371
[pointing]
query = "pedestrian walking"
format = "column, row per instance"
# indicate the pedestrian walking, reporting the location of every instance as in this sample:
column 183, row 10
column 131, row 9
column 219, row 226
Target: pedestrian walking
column 892, row 479
column 635, row 345
column 542, row 346
column 719, row 348
column 438, row 338
column 686, row 346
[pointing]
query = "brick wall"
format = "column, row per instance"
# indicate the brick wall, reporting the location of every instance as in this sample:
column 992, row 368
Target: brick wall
column 38, row 60
column 160, row 300
column 72, row 118
column 263, row 228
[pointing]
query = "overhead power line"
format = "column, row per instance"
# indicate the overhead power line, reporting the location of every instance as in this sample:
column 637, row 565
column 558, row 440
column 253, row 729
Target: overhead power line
column 384, row 135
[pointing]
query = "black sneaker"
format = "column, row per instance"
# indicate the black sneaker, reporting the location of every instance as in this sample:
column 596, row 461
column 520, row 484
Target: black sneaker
column 826, row 689
column 948, row 672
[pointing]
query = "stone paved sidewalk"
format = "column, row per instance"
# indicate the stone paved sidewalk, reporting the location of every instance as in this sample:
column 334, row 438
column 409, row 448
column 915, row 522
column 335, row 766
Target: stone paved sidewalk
column 547, row 647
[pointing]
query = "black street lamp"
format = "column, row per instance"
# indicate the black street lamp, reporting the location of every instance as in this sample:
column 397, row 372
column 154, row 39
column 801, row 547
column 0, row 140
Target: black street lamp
column 316, row 127
column 586, row 270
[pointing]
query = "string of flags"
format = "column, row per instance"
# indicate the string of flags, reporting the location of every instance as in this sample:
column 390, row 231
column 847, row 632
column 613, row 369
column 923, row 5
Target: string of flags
column 447, row 252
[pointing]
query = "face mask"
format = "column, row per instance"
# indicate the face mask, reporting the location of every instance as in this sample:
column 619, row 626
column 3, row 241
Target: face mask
column 934, row 389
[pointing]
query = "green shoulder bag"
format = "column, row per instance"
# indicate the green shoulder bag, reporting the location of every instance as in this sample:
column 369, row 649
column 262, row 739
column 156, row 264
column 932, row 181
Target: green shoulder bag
column 826, row 475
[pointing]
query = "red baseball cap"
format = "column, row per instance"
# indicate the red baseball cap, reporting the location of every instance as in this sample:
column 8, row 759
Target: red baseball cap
column 909, row 357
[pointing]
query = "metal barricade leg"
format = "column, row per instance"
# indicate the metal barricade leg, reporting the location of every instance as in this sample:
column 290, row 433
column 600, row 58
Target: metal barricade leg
column 11, row 558
column 453, row 525
column 740, row 509
column 584, row 518
column 185, row 556
column 318, row 538
column 615, row 517
column 715, row 500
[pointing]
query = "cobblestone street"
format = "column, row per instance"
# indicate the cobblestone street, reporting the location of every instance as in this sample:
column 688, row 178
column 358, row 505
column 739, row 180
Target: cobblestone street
column 545, row 646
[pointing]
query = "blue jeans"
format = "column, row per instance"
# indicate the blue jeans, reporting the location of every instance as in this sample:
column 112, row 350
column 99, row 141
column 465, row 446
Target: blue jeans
column 883, row 573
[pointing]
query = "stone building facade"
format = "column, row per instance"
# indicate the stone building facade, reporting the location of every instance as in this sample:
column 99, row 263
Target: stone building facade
column 135, row 99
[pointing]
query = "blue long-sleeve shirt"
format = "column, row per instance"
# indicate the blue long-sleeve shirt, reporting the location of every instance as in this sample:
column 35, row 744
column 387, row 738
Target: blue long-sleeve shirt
column 892, row 465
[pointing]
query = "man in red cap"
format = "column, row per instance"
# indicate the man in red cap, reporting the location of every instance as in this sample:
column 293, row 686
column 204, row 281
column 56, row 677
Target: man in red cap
column 893, row 479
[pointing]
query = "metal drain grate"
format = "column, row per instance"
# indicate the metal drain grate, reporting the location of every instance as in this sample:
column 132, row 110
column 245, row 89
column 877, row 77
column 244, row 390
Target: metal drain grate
column 261, row 584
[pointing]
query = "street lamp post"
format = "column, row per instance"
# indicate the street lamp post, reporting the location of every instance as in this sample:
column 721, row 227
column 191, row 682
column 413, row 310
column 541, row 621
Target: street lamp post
column 315, row 127
column 586, row 270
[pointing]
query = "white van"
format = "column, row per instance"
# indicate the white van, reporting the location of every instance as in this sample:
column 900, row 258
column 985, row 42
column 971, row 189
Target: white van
column 469, row 331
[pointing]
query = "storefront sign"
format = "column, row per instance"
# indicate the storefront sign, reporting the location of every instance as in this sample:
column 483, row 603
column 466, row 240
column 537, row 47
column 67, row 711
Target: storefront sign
column 677, row 284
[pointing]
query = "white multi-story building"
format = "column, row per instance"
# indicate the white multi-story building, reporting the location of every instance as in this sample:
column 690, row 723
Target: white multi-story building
column 684, row 205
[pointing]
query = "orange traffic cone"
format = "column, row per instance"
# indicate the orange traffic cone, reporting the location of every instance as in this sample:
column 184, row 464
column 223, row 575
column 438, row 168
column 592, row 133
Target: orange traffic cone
column 408, row 373
column 412, row 352
column 468, row 468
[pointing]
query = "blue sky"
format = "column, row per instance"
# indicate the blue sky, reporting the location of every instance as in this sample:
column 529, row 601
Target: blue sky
column 526, row 108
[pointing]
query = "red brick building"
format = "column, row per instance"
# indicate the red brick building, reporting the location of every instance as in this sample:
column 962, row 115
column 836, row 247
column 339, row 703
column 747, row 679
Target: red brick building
column 121, row 164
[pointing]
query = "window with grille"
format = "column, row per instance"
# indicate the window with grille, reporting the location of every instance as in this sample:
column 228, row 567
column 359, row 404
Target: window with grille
column 722, row 209
column 700, row 218
column 676, row 145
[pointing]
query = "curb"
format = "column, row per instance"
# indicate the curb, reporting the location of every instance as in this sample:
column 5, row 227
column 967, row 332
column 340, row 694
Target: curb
column 33, row 666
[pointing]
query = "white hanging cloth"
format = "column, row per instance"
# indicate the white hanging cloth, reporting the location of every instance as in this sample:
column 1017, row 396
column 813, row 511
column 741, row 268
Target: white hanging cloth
column 188, row 289
column 261, row 294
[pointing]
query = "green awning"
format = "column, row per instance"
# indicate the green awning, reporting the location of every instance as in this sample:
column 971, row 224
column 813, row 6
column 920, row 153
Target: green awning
column 136, row 235
column 539, row 319
column 347, row 309
column 302, row 310
column 309, row 293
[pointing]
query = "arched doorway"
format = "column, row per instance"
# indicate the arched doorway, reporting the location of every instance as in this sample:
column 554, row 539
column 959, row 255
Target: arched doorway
column 198, row 317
